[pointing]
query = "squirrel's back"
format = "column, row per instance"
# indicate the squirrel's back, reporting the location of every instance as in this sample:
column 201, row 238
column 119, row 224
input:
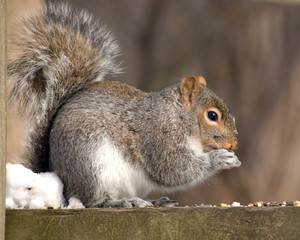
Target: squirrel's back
column 55, row 53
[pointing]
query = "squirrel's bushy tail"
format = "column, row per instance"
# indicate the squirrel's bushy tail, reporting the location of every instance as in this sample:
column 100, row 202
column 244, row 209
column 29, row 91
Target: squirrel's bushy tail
column 54, row 54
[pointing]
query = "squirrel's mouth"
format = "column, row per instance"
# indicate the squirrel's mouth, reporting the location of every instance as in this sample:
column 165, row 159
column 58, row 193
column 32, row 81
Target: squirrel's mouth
column 208, row 148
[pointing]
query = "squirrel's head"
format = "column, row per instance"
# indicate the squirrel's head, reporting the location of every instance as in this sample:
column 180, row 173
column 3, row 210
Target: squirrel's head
column 216, row 124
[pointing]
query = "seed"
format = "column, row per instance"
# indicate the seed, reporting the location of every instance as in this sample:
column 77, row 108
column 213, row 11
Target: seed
column 224, row 205
column 275, row 204
column 258, row 204
column 204, row 205
column 289, row 203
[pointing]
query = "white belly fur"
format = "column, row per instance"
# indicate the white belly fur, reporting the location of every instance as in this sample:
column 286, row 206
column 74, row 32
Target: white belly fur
column 119, row 178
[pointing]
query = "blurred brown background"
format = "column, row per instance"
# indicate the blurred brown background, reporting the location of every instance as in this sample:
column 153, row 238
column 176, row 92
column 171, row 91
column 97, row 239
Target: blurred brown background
column 249, row 53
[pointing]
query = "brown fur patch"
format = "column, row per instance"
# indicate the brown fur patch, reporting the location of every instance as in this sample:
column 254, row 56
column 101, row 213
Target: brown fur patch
column 190, row 89
column 119, row 89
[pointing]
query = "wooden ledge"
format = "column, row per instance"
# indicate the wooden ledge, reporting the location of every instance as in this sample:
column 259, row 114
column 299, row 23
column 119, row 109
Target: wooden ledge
column 155, row 223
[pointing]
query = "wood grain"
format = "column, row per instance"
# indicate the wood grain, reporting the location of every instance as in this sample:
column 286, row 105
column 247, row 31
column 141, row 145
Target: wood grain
column 155, row 223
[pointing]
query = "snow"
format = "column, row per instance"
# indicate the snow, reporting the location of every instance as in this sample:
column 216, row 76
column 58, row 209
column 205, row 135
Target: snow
column 74, row 203
column 235, row 204
column 26, row 189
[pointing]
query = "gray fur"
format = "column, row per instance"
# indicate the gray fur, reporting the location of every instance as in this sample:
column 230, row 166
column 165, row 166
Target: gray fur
column 157, row 127
column 48, row 64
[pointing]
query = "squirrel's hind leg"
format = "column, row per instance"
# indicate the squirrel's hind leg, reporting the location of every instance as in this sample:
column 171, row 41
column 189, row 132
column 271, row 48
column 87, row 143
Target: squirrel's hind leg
column 138, row 202
column 132, row 202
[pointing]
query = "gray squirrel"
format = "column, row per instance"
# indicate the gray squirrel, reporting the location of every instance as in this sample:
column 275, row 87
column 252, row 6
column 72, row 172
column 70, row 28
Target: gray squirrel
column 110, row 143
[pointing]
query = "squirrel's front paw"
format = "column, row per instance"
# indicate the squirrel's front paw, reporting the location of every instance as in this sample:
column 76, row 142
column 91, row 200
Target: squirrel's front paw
column 223, row 159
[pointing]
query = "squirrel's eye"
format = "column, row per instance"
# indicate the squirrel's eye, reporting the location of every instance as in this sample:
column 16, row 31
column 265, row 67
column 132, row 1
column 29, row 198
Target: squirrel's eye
column 213, row 116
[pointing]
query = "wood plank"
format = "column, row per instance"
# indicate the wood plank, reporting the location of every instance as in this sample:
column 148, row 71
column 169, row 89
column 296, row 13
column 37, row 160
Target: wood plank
column 155, row 223
column 2, row 114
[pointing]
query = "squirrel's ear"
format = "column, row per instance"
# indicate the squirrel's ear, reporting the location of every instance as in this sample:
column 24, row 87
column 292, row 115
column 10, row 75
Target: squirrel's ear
column 190, row 88
column 201, row 80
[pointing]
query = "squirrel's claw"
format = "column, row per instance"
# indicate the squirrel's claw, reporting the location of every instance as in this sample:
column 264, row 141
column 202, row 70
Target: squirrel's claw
column 164, row 202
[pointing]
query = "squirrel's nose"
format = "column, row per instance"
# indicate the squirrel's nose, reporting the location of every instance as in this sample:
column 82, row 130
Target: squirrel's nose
column 234, row 146
column 231, row 146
